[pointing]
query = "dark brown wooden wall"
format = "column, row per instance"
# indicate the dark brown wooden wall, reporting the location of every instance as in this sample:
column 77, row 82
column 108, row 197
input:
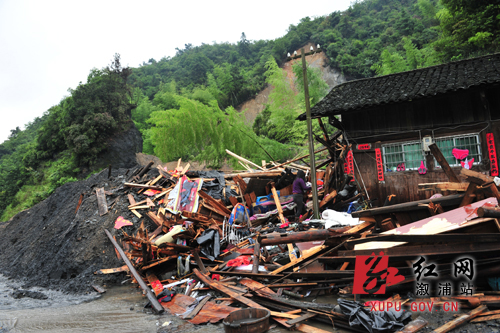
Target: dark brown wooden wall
column 464, row 107
column 465, row 112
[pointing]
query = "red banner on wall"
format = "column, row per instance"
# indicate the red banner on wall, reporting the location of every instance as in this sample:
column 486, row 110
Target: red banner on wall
column 492, row 153
column 380, row 165
column 349, row 165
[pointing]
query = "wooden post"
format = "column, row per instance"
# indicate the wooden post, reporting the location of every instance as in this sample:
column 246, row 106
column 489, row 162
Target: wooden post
column 297, row 159
column 460, row 320
column 443, row 163
column 199, row 262
column 101, row 201
column 310, row 134
column 278, row 204
column 157, row 307
column 256, row 256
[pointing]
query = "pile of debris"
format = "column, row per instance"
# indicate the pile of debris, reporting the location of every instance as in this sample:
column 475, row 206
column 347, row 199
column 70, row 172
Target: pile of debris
column 212, row 242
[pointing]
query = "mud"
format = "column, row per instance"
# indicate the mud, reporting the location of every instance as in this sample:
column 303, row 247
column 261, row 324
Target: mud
column 53, row 247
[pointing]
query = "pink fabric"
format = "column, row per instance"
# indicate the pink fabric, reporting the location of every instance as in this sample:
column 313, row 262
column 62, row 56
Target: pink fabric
column 460, row 154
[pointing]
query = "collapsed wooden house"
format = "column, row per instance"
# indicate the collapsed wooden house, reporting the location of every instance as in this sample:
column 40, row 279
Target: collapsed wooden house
column 392, row 120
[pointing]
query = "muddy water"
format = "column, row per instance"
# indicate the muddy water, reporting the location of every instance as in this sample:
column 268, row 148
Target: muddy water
column 120, row 309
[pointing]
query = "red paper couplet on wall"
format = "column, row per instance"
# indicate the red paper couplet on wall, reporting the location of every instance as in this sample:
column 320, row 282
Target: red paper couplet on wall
column 380, row 166
column 350, row 160
column 492, row 153
column 364, row 146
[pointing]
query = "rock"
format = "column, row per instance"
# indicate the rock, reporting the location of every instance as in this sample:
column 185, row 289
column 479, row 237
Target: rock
column 17, row 294
column 121, row 150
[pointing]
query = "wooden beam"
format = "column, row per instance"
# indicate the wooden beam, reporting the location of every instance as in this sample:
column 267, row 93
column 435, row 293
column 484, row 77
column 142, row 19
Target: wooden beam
column 476, row 177
column 157, row 307
column 159, row 188
column 214, row 284
column 443, row 186
column 244, row 160
column 214, row 203
column 306, row 316
column 460, row 320
column 469, row 195
column 101, row 201
column 198, row 308
column 414, row 326
column 329, row 197
column 299, row 260
column 278, row 203
column 199, row 262
column 296, row 159
column 443, row 163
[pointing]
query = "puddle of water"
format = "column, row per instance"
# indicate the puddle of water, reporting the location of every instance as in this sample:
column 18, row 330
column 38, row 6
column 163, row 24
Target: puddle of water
column 120, row 309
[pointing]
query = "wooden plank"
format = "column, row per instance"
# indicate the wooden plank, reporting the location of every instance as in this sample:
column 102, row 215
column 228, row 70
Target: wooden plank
column 443, row 186
column 443, row 163
column 490, row 313
column 444, row 201
column 161, row 261
column 299, row 260
column 476, row 177
column 157, row 307
column 296, row 159
column 359, row 227
column 214, row 284
column 278, row 203
column 494, row 190
column 101, row 201
column 244, row 160
column 414, row 325
column 284, row 315
column 306, row 316
column 152, row 187
column 214, row 203
column 485, row 318
column 198, row 308
column 131, row 199
column 136, row 213
column 79, row 203
column 154, row 282
column 469, row 195
column 328, row 198
column 460, row 320
column 123, row 268
column 199, row 262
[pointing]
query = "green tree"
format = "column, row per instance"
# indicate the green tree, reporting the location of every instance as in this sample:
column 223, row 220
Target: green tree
column 97, row 110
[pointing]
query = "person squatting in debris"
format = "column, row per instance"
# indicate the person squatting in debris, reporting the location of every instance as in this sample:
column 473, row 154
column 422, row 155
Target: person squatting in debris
column 299, row 189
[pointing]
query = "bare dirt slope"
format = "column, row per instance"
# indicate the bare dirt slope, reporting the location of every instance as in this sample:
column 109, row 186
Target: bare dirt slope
column 51, row 246
column 333, row 77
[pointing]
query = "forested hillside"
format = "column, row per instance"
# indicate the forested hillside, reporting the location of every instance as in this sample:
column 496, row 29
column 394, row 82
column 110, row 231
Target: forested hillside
column 185, row 105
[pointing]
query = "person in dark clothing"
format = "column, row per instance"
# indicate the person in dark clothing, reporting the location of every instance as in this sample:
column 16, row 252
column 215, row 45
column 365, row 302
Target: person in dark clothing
column 299, row 188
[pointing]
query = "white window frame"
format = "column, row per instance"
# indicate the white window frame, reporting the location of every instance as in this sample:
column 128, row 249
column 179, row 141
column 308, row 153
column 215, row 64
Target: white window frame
column 385, row 154
column 461, row 136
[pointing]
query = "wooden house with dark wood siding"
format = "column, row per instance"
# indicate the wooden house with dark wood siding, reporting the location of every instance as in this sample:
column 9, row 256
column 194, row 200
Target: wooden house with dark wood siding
column 391, row 120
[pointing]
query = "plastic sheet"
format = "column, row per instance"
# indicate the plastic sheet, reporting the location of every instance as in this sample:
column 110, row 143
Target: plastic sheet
column 374, row 321
column 210, row 243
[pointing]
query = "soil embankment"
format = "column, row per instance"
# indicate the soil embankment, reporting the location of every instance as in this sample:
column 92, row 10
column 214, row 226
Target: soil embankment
column 51, row 246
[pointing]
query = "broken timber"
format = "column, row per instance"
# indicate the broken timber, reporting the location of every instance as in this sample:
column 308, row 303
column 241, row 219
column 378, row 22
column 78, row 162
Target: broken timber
column 101, row 201
column 157, row 307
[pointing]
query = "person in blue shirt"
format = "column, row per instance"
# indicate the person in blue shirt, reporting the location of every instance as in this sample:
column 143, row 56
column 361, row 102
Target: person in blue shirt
column 299, row 188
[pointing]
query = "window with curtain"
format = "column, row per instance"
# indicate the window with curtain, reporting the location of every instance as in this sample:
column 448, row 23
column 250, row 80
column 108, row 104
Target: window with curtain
column 403, row 156
column 468, row 141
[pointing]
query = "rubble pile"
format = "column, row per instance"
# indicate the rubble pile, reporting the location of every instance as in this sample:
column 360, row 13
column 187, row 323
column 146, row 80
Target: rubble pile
column 203, row 244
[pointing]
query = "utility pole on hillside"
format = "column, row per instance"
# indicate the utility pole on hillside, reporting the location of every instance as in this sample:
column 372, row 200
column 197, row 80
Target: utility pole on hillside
column 310, row 135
